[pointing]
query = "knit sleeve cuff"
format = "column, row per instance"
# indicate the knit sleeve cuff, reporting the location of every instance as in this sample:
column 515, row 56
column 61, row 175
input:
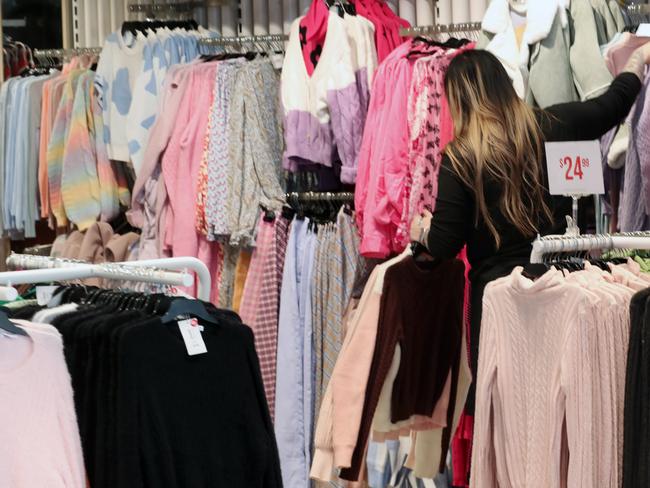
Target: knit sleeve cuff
column 348, row 175
column 322, row 466
column 343, row 456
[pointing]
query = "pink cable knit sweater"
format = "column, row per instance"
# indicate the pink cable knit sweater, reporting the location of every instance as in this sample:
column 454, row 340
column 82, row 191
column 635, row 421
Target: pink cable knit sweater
column 543, row 355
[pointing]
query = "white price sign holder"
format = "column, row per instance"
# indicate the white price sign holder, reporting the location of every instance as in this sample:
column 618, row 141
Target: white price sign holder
column 574, row 170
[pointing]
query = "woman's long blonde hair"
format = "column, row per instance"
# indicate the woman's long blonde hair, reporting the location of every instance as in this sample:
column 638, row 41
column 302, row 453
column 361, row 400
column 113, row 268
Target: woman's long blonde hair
column 497, row 137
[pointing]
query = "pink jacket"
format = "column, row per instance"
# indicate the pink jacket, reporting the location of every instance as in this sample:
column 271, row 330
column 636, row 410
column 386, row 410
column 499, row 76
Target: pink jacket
column 383, row 156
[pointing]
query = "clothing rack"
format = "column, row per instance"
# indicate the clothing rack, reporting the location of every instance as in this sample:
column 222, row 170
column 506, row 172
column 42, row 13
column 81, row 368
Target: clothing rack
column 312, row 196
column 44, row 268
column 427, row 30
column 605, row 242
column 66, row 53
column 274, row 41
column 174, row 7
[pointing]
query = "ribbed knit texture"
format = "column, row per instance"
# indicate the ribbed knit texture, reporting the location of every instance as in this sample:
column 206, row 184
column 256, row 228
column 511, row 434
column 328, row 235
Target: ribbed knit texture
column 39, row 438
column 540, row 371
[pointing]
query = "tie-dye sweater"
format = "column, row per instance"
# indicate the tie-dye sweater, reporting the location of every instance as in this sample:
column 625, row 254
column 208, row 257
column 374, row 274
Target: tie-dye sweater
column 82, row 182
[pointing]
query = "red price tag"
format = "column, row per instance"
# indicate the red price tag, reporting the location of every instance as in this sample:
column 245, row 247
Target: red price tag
column 574, row 168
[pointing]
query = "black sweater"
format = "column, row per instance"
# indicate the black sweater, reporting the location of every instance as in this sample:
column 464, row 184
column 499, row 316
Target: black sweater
column 454, row 220
column 192, row 421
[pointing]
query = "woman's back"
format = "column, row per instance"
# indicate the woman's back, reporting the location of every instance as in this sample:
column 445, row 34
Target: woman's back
column 455, row 219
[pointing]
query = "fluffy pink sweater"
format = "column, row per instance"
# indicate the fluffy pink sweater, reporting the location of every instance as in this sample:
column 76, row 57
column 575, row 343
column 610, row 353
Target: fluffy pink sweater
column 39, row 438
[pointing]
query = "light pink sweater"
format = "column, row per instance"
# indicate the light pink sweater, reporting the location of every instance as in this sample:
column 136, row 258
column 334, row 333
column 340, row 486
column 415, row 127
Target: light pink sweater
column 39, row 437
column 539, row 368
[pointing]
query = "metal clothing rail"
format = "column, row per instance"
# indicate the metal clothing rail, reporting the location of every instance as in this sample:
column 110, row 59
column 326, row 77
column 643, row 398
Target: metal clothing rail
column 424, row 30
column 638, row 9
column 62, row 53
column 175, row 7
column 605, row 242
column 270, row 42
column 43, row 268
column 313, row 196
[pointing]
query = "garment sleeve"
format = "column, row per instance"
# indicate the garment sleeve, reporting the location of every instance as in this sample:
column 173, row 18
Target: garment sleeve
column 590, row 72
column 346, row 113
column 272, row 475
column 55, row 150
column 453, row 215
column 593, row 118
column 483, row 463
column 79, row 180
column 128, row 466
column 580, row 383
column 68, row 425
column 323, row 459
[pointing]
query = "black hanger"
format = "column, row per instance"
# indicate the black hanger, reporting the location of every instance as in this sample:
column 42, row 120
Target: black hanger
column 8, row 326
column 535, row 270
column 182, row 307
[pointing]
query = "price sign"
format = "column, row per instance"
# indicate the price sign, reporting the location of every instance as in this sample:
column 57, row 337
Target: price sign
column 574, row 168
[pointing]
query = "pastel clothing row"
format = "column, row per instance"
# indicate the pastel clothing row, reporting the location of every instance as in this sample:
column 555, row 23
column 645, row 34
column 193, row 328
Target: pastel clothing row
column 40, row 443
column 20, row 100
column 408, row 126
column 204, row 177
column 320, row 269
column 130, row 74
column 325, row 112
column 53, row 159
column 357, row 398
column 553, row 356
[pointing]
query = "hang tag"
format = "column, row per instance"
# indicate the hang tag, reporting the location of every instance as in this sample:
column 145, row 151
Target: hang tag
column 44, row 294
column 574, row 168
column 191, row 332
column 643, row 30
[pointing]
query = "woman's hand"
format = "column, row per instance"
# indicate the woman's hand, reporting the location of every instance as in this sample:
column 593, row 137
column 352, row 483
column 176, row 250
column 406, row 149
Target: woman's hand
column 420, row 227
column 638, row 60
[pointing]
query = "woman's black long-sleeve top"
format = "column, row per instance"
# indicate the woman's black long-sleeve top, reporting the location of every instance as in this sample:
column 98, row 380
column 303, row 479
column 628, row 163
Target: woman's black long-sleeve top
column 454, row 222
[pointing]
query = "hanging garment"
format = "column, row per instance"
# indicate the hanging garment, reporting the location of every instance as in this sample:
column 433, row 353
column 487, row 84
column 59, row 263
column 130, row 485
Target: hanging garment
column 582, row 323
column 40, row 446
column 323, row 112
column 294, row 369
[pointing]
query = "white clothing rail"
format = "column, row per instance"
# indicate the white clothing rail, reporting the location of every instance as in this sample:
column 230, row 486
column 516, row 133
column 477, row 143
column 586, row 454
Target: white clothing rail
column 149, row 265
column 181, row 263
column 43, row 268
column 560, row 244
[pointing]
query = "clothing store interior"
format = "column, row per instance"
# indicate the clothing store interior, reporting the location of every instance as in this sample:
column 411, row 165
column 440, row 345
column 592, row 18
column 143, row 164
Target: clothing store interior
column 324, row 243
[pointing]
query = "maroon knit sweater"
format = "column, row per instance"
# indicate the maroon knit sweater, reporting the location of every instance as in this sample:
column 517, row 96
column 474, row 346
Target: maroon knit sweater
column 422, row 311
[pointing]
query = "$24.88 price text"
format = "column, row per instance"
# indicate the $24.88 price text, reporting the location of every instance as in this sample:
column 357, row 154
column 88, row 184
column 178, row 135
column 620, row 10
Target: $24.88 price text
column 573, row 167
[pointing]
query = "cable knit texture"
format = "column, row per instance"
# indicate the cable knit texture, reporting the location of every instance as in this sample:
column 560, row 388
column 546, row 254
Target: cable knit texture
column 540, row 372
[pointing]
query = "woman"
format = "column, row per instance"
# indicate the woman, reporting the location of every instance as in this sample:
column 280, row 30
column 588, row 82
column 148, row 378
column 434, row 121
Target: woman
column 493, row 193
